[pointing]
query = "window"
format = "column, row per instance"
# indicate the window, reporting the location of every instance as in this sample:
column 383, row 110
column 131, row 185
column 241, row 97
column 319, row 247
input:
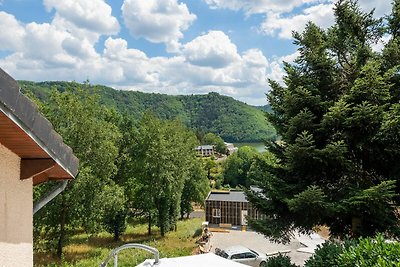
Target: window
column 250, row 255
column 216, row 213
column 238, row 256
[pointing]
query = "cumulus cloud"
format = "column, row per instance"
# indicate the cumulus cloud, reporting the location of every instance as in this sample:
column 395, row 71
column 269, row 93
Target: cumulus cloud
column 91, row 15
column 276, row 24
column 158, row 21
column 12, row 32
column 213, row 49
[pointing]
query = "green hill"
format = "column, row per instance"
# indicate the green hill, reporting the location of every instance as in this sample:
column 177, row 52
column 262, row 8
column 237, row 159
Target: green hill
column 233, row 120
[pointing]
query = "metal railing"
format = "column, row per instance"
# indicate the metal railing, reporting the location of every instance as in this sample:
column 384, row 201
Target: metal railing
column 114, row 253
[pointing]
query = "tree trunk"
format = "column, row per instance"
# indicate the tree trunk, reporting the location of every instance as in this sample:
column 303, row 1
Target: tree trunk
column 116, row 235
column 60, row 242
column 162, row 229
column 149, row 225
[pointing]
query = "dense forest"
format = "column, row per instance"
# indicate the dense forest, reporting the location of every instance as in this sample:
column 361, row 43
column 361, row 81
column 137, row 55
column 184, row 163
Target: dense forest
column 233, row 120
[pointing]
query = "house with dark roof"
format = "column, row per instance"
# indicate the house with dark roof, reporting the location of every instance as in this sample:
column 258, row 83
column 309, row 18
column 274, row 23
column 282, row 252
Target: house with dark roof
column 229, row 208
column 31, row 153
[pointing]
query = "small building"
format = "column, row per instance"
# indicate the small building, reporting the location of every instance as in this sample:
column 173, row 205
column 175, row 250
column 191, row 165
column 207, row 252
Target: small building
column 229, row 208
column 31, row 153
column 230, row 148
column 205, row 150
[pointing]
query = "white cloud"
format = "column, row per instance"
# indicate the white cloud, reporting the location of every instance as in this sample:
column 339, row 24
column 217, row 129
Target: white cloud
column 209, row 62
column 275, row 24
column 381, row 7
column 158, row 21
column 261, row 6
column 91, row 15
column 12, row 32
column 213, row 49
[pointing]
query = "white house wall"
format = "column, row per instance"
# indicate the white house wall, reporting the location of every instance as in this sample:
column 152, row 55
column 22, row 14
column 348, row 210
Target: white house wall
column 15, row 213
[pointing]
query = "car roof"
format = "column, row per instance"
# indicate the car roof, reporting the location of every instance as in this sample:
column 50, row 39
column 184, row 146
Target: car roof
column 236, row 249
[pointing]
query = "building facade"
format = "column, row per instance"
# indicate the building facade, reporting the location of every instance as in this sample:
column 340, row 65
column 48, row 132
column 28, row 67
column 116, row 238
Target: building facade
column 205, row 150
column 229, row 208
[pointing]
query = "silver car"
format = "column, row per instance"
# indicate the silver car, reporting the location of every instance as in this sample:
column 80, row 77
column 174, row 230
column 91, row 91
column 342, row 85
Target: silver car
column 243, row 255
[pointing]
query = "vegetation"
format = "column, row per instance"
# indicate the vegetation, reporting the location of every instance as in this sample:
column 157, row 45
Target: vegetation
column 338, row 116
column 237, row 166
column 230, row 119
column 371, row 252
column 87, row 127
column 326, row 255
column 85, row 250
column 128, row 170
column 213, row 139
column 365, row 252
column 280, row 261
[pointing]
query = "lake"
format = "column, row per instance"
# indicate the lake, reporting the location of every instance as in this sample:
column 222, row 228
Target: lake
column 259, row 146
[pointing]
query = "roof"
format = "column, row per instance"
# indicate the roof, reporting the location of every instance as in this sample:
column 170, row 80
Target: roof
column 229, row 196
column 202, row 260
column 27, row 133
column 205, row 147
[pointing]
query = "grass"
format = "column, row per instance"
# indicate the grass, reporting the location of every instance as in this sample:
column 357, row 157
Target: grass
column 83, row 250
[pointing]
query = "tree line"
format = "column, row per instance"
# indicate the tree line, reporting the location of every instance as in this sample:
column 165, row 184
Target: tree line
column 231, row 119
column 143, row 169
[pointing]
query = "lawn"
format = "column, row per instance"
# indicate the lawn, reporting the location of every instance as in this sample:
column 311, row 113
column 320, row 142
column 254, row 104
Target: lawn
column 83, row 250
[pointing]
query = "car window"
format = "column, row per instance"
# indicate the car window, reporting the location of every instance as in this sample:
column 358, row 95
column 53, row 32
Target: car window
column 238, row 256
column 250, row 255
column 254, row 252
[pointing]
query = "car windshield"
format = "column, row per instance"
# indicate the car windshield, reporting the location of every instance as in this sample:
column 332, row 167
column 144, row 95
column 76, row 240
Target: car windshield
column 254, row 252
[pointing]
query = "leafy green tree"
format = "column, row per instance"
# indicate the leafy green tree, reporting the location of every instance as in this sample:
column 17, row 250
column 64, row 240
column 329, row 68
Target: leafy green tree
column 338, row 117
column 209, row 164
column 237, row 165
column 195, row 189
column 87, row 127
column 163, row 155
column 115, row 210
column 213, row 139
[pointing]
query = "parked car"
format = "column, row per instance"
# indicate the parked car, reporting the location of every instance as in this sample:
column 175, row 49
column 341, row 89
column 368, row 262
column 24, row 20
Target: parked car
column 243, row 255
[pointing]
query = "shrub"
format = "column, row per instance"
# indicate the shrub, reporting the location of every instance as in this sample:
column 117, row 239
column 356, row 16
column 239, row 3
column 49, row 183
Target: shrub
column 280, row 261
column 197, row 233
column 325, row 255
column 371, row 252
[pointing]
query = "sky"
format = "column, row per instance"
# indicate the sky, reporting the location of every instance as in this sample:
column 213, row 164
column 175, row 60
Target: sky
column 166, row 46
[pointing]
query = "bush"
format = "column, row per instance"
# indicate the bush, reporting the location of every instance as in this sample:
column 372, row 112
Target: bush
column 325, row 255
column 280, row 261
column 371, row 252
column 197, row 233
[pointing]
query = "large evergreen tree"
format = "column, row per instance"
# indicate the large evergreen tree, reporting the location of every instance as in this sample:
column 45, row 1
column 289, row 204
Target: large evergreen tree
column 339, row 118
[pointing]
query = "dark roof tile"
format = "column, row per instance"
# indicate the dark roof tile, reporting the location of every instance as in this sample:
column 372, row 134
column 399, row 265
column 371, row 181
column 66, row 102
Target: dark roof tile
column 30, row 119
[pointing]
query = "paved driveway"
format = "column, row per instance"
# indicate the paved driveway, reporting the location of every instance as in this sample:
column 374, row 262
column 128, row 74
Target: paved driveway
column 257, row 242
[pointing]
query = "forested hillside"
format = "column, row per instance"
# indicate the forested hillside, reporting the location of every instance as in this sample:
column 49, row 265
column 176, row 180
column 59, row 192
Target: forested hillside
column 231, row 119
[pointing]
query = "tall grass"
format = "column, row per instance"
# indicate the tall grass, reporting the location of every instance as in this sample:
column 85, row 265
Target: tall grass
column 83, row 250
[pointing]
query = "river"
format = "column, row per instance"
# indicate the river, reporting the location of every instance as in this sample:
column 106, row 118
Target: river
column 259, row 146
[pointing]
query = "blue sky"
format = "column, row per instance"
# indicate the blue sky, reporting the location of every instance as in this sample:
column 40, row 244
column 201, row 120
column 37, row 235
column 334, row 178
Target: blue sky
column 166, row 46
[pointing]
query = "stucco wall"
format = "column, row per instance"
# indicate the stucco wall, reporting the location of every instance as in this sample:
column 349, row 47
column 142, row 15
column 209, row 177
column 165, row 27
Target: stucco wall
column 15, row 213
